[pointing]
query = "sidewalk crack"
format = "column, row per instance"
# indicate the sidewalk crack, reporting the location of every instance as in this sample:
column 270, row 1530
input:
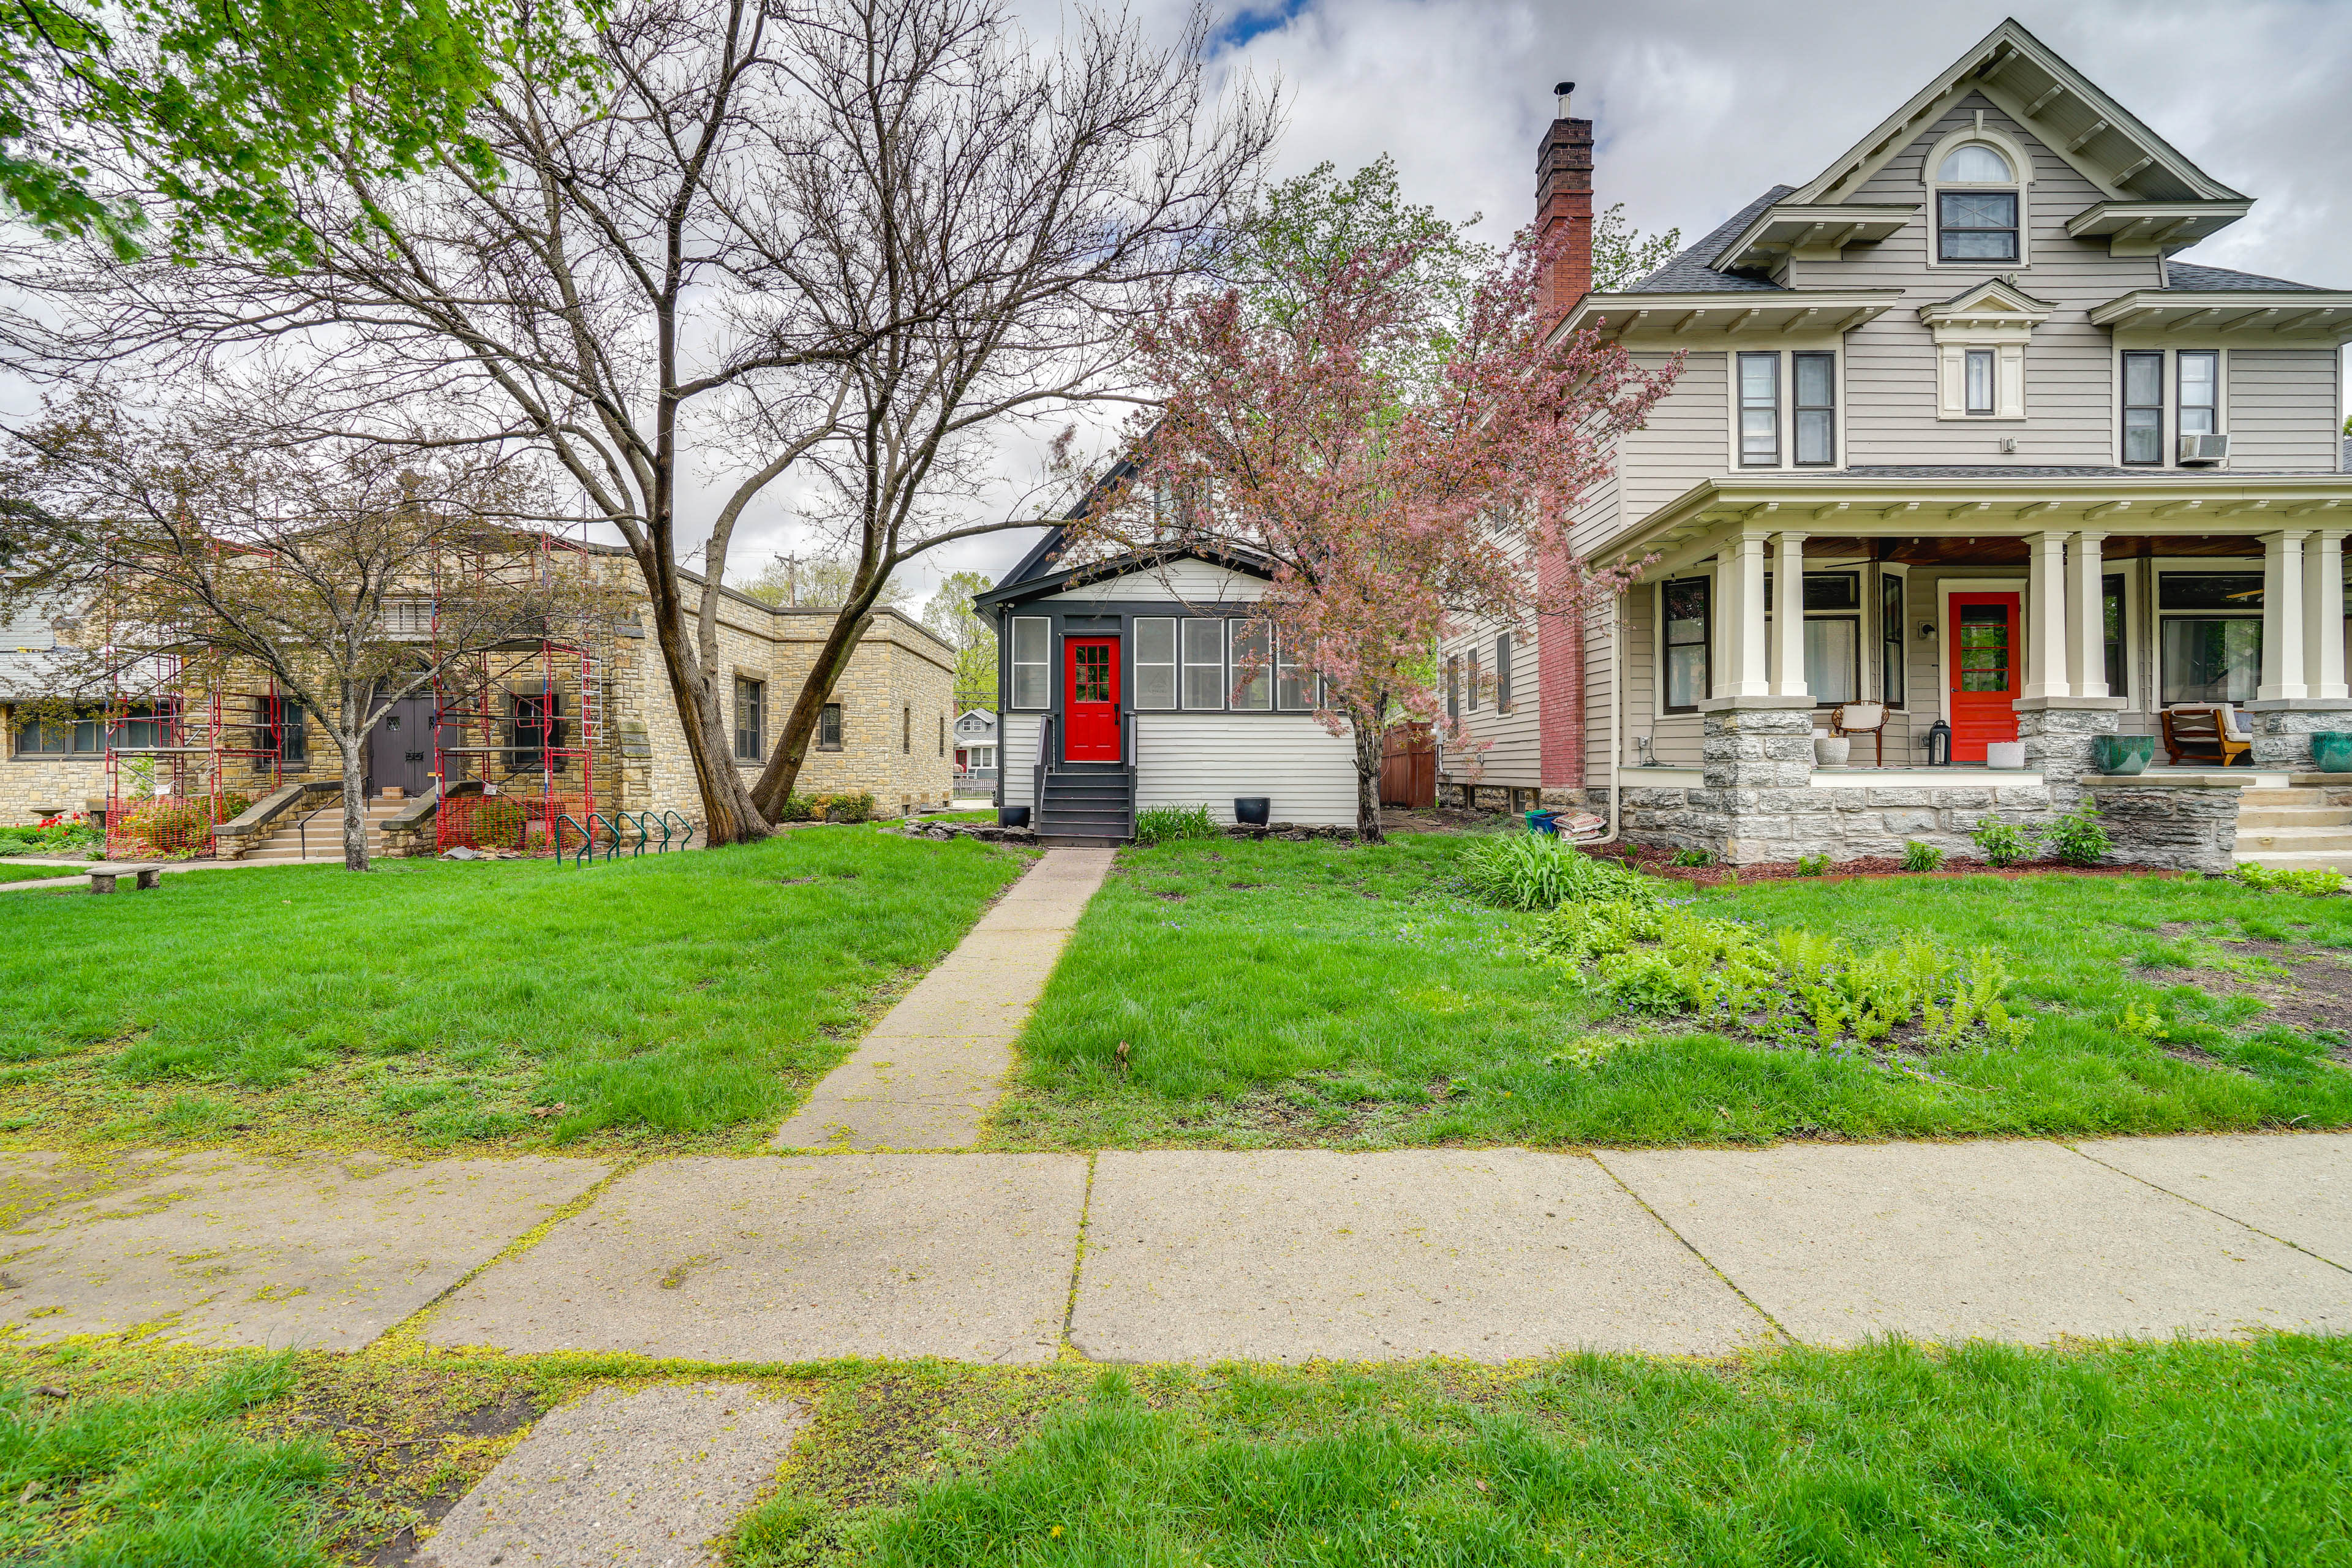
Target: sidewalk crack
column 1705, row 1261
column 1077, row 1262
column 2208, row 1208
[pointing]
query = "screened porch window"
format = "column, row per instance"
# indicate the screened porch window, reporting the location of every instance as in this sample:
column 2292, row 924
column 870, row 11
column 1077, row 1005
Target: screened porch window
column 1687, row 615
column 2111, row 618
column 1833, row 637
column 1252, row 666
column 2213, row 652
column 1205, row 664
column 1032, row 661
column 1294, row 683
column 1890, row 639
column 1155, row 663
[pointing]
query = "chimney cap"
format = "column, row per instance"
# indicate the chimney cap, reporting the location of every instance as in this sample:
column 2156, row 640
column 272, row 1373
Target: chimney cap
column 1560, row 88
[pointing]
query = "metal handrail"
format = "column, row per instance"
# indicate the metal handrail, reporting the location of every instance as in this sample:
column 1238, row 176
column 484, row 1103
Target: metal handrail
column 1037, row 777
column 1134, row 769
column 683, row 821
column 613, row 834
column 586, row 841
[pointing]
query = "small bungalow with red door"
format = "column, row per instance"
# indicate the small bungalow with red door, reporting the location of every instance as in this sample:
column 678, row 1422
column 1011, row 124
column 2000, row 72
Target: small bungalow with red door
column 1965, row 473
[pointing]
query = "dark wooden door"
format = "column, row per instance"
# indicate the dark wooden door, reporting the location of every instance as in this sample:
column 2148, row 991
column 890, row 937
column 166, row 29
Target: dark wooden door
column 400, row 749
column 1985, row 661
column 1090, row 699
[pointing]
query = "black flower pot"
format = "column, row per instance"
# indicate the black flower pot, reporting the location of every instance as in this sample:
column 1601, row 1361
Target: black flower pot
column 1012, row 816
column 1252, row 810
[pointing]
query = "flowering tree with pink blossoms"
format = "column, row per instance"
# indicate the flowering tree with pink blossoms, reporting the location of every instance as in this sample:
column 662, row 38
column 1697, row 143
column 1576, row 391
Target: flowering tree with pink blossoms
column 1399, row 456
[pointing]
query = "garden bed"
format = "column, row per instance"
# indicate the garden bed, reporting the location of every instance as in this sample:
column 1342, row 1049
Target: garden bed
column 1652, row 860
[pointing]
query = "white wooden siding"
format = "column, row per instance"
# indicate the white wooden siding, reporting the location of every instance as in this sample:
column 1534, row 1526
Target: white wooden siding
column 1686, row 439
column 1207, row 759
column 1177, row 581
column 1016, row 758
column 1890, row 380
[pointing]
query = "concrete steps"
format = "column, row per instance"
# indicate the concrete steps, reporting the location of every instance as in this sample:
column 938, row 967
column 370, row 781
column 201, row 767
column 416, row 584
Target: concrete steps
column 2295, row 829
column 324, row 840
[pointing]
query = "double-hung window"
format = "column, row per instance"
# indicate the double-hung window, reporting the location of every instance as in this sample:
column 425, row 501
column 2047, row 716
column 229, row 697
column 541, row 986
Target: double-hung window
column 1032, row 661
column 1252, row 666
column 1759, row 411
column 287, row 731
column 1474, row 680
column 1816, row 408
column 1688, row 632
column 1981, row 378
column 1204, row 665
column 1454, row 688
column 2143, row 408
column 51, row 738
column 1833, row 611
column 1155, row 663
column 751, row 722
column 1293, row 682
column 2198, row 371
column 2111, row 625
column 1503, row 672
column 1976, row 225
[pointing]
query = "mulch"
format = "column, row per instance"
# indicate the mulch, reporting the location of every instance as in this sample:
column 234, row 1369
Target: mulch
column 1653, row 860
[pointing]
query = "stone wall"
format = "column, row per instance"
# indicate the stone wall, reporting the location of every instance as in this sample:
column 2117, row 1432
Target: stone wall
column 2283, row 737
column 2188, row 827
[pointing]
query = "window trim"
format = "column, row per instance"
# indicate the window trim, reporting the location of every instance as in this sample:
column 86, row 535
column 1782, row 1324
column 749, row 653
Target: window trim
column 1894, row 645
column 2021, row 169
column 2125, row 408
column 756, row 735
column 1705, row 583
column 1138, row 664
column 906, row 729
column 1186, row 664
column 1470, row 685
column 71, row 730
column 1799, row 408
column 829, row 718
column 1741, row 407
column 1971, row 358
column 1043, row 663
column 2014, row 228
column 1503, row 704
column 1256, row 695
column 1301, row 676
column 1454, row 688
column 2195, row 566
column 2181, row 358
column 2116, row 585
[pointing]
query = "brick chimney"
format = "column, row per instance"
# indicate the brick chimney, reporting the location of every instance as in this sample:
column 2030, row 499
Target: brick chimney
column 1564, row 203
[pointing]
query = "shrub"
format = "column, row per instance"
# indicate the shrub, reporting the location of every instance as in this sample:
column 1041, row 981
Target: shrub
column 858, row 808
column 1918, row 857
column 1693, row 858
column 2077, row 838
column 498, row 823
column 2311, row 881
column 2002, row 843
column 231, row 806
column 168, row 824
column 1538, row 871
column 799, row 808
column 1166, row 824
column 1811, row 865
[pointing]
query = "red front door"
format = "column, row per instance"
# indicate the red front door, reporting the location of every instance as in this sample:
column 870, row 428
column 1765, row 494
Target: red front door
column 1985, row 661
column 1090, row 699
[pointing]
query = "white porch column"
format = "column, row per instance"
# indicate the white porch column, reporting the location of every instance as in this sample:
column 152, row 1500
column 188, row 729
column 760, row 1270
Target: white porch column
column 1789, row 614
column 2322, row 613
column 2283, row 618
column 1748, row 675
column 2086, row 630
column 2045, row 618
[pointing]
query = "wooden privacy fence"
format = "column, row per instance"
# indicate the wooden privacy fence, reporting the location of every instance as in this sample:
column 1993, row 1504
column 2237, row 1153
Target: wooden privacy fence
column 1409, row 768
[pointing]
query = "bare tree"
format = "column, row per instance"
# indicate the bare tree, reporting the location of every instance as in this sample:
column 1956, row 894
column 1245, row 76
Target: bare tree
column 985, row 219
column 204, row 548
column 719, row 236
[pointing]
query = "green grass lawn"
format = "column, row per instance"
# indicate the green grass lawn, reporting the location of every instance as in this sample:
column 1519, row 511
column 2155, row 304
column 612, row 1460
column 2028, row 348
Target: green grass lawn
column 2131, row 1456
column 1275, row 992
column 674, row 1000
column 37, row 873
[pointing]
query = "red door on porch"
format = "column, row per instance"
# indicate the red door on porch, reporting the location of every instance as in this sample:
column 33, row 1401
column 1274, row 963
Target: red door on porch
column 1090, row 699
column 1985, row 662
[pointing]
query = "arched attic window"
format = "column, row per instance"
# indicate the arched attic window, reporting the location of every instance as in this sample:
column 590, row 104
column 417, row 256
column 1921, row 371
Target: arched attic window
column 1976, row 205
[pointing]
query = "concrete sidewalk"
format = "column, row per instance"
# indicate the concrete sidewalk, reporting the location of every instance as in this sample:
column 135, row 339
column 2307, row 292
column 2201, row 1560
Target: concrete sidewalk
column 1280, row 1256
column 927, row 1074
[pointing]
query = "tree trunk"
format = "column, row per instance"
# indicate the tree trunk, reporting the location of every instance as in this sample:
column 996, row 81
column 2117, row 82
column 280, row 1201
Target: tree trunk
column 1368, row 779
column 355, row 824
column 728, row 814
column 783, row 769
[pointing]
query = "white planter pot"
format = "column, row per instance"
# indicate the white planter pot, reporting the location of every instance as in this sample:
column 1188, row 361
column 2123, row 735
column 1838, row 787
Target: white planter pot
column 2005, row 754
column 1832, row 751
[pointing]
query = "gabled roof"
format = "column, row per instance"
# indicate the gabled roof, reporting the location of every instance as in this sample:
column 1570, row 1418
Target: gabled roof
column 2189, row 278
column 2069, row 113
column 1691, row 273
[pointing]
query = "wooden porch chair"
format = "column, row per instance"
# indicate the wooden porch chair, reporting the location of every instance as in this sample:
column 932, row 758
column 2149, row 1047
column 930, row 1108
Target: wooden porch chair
column 1862, row 719
column 2210, row 733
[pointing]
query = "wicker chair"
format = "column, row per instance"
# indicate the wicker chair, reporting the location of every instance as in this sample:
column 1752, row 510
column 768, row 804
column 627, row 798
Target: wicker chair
column 1862, row 719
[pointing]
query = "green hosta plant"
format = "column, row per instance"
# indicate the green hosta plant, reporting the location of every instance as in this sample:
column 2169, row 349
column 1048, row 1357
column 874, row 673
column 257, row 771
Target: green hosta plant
column 1538, row 871
column 2002, row 843
column 1167, row 824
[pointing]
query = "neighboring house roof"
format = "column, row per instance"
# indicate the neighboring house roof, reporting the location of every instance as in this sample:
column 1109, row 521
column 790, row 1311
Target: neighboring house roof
column 1688, row 272
column 986, row 720
column 2189, row 278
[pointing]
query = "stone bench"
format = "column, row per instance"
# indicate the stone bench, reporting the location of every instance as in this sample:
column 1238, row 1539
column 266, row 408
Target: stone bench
column 102, row 875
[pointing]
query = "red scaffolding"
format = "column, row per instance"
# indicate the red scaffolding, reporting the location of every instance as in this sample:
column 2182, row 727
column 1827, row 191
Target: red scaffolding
column 168, row 761
column 517, row 728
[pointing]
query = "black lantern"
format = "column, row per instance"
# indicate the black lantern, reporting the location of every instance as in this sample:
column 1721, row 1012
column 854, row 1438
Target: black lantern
column 1939, row 745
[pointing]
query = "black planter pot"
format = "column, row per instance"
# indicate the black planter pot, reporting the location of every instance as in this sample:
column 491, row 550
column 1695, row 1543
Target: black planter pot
column 1012, row 816
column 1253, row 809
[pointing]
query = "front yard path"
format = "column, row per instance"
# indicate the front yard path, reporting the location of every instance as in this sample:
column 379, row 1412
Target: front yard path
column 927, row 1074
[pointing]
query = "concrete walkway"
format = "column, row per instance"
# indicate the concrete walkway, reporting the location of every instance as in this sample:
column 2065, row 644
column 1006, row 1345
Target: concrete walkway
column 1150, row 1255
column 927, row 1074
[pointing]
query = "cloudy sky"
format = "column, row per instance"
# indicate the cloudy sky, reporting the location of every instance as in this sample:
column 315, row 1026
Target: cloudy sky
column 1699, row 105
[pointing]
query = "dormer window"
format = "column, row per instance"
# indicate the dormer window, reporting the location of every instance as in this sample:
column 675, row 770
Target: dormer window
column 1976, row 223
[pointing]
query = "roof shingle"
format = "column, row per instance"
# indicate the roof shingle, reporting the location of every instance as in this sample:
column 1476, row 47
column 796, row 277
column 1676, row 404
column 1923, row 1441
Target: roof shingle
column 1688, row 272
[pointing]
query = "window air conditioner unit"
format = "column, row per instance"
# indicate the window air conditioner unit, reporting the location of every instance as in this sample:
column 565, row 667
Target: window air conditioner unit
column 2204, row 449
